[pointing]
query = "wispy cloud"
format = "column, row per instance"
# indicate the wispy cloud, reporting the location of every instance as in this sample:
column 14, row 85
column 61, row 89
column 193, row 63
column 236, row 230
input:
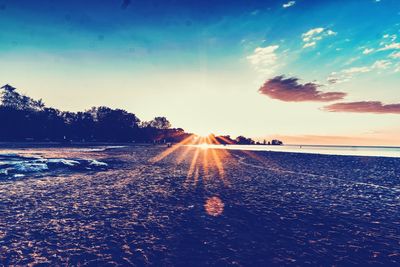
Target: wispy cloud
column 391, row 37
column 310, row 44
column 307, row 36
column 311, row 37
column 290, row 90
column 388, row 42
column 381, row 64
column 364, row 107
column 368, row 51
column 391, row 46
column 289, row 4
column 355, row 70
column 347, row 74
column 397, row 67
column 264, row 59
column 395, row 55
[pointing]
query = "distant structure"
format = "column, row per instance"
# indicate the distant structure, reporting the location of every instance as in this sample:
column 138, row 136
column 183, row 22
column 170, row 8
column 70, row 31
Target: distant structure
column 276, row 142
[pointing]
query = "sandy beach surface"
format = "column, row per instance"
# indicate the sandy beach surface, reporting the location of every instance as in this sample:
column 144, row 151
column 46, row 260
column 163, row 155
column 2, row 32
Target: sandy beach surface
column 149, row 205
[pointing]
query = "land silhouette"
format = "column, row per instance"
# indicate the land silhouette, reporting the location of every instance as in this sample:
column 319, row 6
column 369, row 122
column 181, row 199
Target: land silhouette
column 25, row 119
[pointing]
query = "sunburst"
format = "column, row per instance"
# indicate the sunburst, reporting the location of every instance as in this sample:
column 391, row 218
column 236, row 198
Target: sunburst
column 205, row 158
column 206, row 163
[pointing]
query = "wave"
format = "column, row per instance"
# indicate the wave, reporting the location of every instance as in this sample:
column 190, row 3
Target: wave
column 15, row 166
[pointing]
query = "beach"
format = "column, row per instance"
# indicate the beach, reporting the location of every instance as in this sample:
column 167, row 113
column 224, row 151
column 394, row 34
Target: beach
column 188, row 206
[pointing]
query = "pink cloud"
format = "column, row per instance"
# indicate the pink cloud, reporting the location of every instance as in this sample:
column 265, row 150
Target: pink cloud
column 364, row 107
column 290, row 90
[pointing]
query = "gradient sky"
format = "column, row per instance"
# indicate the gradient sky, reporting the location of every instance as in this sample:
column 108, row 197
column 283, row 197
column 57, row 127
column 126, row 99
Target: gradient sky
column 304, row 71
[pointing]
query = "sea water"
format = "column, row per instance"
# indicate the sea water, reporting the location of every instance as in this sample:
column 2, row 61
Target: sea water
column 375, row 151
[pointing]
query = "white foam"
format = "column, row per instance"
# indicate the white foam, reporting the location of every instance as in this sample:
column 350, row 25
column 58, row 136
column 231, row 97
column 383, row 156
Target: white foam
column 67, row 162
column 31, row 167
column 96, row 163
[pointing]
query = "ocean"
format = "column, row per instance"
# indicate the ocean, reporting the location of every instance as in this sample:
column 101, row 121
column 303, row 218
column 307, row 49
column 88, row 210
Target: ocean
column 374, row 151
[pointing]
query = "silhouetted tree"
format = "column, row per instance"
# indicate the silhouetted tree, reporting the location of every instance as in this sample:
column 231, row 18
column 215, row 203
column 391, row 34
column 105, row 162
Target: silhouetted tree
column 24, row 118
column 244, row 141
column 160, row 123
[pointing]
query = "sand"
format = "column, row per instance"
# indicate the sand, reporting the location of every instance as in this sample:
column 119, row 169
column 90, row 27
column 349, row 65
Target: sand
column 196, row 207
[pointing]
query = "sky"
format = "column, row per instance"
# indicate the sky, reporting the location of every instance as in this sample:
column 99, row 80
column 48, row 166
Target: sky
column 316, row 72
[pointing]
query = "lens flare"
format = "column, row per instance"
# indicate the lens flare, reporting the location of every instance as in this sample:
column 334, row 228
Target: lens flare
column 214, row 206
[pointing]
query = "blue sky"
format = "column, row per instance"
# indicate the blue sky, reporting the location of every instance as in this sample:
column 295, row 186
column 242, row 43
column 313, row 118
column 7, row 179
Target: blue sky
column 201, row 63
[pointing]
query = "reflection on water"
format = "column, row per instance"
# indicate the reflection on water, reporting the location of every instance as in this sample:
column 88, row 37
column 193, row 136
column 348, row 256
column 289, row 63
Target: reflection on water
column 214, row 206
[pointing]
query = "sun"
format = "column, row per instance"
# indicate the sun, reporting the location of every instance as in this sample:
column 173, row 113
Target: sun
column 204, row 156
column 204, row 146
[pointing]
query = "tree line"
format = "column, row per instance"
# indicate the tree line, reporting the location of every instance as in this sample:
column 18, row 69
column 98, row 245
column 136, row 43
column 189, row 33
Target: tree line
column 23, row 118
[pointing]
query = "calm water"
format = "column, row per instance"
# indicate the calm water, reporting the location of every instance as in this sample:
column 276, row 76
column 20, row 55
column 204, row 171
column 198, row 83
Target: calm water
column 376, row 151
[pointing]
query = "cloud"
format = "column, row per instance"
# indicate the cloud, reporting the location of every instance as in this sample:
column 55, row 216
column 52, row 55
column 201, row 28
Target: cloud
column 311, row 44
column 397, row 68
column 376, row 107
column 308, row 35
column 355, row 70
column 264, row 59
column 330, row 32
column 347, row 74
column 311, row 37
column 392, row 37
column 381, row 64
column 391, row 46
column 289, row 4
column 395, row 55
column 368, row 51
column 387, row 43
column 289, row 90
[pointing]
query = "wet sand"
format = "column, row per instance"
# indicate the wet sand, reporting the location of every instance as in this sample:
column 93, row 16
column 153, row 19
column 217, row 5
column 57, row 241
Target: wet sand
column 197, row 207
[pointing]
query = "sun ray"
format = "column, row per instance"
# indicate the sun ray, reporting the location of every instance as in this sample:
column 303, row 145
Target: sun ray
column 219, row 166
column 215, row 140
column 193, row 168
column 205, row 162
column 170, row 150
column 183, row 155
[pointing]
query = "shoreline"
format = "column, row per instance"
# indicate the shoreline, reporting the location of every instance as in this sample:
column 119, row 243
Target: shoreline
column 251, row 148
column 62, row 144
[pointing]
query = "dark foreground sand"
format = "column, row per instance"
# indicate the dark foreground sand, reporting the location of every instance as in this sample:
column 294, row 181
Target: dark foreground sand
column 236, row 208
